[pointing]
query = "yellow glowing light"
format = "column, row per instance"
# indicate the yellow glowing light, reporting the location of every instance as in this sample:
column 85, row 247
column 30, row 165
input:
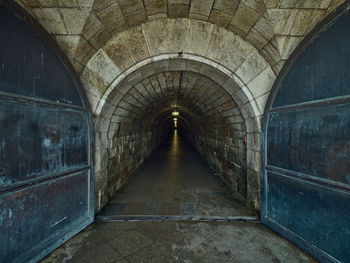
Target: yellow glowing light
column 175, row 119
column 175, row 113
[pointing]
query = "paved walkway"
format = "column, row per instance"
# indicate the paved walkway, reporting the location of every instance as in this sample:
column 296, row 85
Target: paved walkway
column 184, row 242
column 176, row 181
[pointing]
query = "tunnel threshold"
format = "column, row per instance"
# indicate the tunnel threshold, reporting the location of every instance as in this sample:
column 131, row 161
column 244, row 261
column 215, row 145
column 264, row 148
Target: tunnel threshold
column 157, row 218
column 175, row 183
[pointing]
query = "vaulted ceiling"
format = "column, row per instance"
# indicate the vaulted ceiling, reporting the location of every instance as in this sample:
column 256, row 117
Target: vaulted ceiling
column 237, row 45
column 273, row 27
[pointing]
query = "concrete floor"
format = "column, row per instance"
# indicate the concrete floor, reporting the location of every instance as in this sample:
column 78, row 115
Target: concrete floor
column 176, row 181
column 177, row 242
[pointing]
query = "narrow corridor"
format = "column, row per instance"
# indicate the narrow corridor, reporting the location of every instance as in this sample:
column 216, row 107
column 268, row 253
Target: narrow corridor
column 176, row 181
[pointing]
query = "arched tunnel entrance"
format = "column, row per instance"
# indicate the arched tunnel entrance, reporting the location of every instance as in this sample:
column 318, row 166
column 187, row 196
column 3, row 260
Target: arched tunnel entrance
column 208, row 118
column 161, row 184
column 137, row 116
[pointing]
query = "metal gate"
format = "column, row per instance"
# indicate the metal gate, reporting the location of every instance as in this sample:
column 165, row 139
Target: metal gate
column 46, row 180
column 306, row 144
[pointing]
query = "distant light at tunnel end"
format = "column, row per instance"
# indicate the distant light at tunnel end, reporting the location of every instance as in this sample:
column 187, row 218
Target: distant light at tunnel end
column 175, row 113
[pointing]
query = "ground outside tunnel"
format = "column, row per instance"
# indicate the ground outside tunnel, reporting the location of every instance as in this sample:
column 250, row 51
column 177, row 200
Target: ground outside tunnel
column 175, row 181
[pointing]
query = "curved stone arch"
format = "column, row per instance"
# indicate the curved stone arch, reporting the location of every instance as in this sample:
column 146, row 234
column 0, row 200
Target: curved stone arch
column 273, row 28
column 237, row 66
column 164, row 95
column 235, row 87
column 219, row 47
column 120, row 87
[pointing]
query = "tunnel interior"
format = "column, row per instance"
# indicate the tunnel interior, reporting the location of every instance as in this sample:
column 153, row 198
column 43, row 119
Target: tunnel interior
column 138, row 116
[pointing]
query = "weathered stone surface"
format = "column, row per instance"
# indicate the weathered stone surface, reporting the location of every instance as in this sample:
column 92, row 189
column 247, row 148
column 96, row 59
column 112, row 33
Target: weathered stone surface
column 84, row 51
column 261, row 102
column 170, row 37
column 278, row 66
column 264, row 27
column 136, row 43
column 305, row 21
column 220, row 18
column 51, row 20
column 219, row 43
column 287, row 44
column 251, row 67
column 257, row 40
column 92, row 26
column 178, row 10
column 130, row 6
column 243, row 20
column 282, row 20
column 199, row 37
column 262, row 83
column 271, row 3
column 156, row 8
column 271, row 53
column 257, row 5
column 69, row 44
column 112, row 17
column 75, row 19
column 155, row 36
column 118, row 52
column 86, row 3
column 136, row 18
column 201, row 7
column 226, row 6
column 103, row 66
column 298, row 4
column 94, row 87
column 102, row 4
column 100, row 38
column 237, row 53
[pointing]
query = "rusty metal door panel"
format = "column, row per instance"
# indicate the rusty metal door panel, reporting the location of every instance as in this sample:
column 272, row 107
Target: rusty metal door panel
column 46, row 141
column 40, row 140
column 306, row 144
column 317, row 214
column 313, row 141
column 35, row 217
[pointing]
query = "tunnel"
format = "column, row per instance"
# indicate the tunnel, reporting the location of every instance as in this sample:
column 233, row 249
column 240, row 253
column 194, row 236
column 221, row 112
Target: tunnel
column 174, row 131
column 209, row 119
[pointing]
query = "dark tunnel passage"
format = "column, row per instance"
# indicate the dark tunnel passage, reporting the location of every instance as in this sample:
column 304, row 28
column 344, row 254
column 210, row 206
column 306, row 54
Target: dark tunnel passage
column 204, row 114
column 175, row 181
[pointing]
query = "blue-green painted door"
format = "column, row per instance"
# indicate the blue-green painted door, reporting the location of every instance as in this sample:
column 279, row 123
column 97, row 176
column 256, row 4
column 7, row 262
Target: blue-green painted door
column 306, row 145
column 46, row 180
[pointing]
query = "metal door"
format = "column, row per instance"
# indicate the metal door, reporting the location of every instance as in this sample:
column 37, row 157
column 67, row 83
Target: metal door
column 306, row 144
column 46, row 180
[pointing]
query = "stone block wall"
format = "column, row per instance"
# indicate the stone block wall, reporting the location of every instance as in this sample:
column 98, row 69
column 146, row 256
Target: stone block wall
column 225, row 150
